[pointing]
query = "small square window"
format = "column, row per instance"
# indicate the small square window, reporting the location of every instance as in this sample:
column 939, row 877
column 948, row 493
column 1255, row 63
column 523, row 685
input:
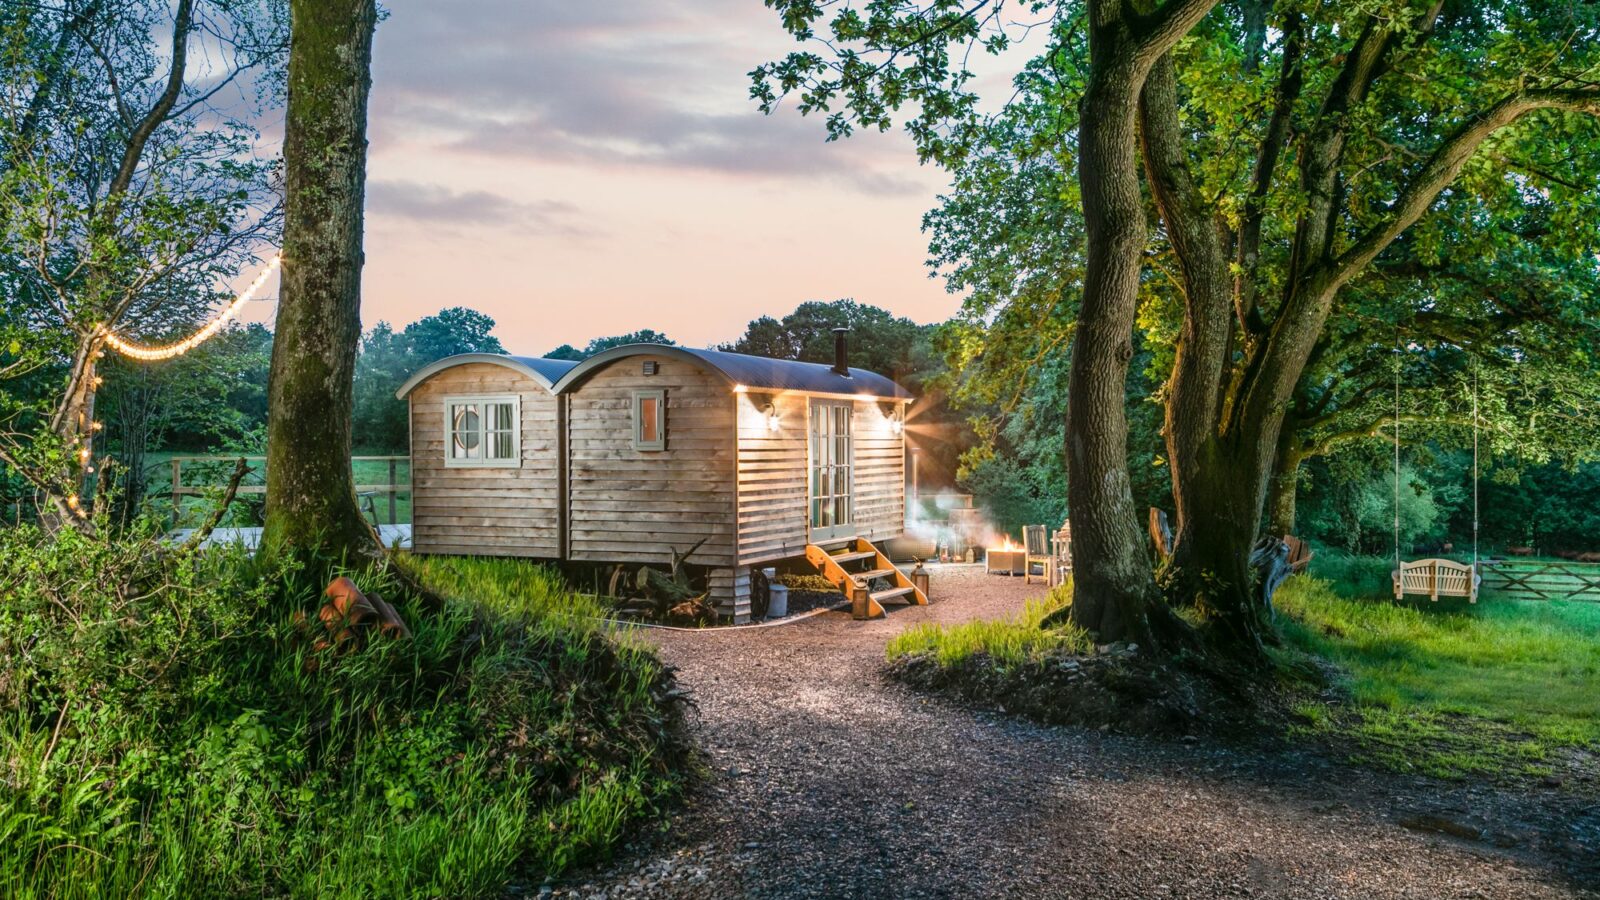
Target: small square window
column 649, row 420
column 483, row 431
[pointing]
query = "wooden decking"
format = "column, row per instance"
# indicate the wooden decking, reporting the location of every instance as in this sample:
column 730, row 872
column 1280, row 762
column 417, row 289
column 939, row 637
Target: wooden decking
column 392, row 536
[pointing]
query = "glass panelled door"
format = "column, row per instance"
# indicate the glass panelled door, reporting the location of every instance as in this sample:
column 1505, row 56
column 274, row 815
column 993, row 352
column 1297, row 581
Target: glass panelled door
column 832, row 471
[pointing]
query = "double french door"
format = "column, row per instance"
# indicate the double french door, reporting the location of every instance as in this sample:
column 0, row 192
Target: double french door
column 832, row 452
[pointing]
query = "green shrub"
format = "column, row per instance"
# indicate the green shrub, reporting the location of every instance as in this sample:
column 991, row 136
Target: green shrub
column 166, row 730
column 1352, row 505
column 1008, row 642
column 1364, row 577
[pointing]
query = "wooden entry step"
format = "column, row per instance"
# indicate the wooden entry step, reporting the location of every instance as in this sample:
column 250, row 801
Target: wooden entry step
column 868, row 576
column 897, row 593
column 841, row 569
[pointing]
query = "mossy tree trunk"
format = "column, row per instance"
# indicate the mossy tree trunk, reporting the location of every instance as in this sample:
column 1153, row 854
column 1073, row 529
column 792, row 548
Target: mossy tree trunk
column 311, row 504
column 1282, row 492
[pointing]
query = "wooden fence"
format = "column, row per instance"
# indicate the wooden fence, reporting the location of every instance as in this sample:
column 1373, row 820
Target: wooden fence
column 1542, row 580
column 221, row 467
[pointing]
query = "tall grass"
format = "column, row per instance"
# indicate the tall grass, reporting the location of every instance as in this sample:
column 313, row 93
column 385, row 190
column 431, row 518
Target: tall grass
column 511, row 587
column 166, row 730
column 1007, row 642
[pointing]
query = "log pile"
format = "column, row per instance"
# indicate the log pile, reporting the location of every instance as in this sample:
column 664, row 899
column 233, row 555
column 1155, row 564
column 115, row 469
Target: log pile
column 350, row 618
column 663, row 596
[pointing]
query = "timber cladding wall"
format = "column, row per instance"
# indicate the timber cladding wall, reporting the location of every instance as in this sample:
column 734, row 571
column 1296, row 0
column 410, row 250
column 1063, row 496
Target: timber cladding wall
column 774, row 475
column 501, row 511
column 880, row 472
column 628, row 505
column 772, row 478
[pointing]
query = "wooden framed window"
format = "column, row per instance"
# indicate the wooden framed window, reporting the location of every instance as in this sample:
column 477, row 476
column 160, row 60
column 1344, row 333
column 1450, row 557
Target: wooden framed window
column 483, row 431
column 833, row 455
column 649, row 420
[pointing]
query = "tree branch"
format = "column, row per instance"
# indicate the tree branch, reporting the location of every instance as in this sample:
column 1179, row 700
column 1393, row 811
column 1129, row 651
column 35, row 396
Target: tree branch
column 1158, row 31
column 113, row 81
column 1196, row 236
column 1290, row 79
column 182, row 24
column 54, row 69
column 1375, row 428
column 1322, row 152
column 1445, row 164
column 240, row 469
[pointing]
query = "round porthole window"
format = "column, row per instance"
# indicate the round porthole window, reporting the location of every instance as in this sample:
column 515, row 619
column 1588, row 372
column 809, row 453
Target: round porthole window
column 466, row 431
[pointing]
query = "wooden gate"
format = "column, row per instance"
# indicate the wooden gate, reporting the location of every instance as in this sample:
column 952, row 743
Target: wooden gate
column 1542, row 581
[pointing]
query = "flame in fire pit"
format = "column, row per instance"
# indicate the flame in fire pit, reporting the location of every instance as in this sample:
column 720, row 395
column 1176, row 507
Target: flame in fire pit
column 1007, row 546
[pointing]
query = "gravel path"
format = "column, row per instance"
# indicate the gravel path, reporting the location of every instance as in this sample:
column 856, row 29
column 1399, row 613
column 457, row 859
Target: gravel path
column 832, row 782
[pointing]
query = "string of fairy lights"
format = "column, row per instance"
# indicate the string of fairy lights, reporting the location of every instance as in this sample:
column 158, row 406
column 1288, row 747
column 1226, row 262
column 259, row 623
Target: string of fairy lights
column 151, row 354
column 155, row 353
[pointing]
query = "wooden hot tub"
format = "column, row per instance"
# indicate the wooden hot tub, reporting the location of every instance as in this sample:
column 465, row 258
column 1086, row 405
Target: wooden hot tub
column 1005, row 561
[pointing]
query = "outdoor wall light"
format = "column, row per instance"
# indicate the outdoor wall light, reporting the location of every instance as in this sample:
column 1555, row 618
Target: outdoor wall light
column 771, row 412
column 896, row 422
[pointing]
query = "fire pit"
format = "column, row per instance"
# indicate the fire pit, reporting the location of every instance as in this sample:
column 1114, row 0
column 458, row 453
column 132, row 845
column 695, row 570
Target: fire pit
column 1007, row 560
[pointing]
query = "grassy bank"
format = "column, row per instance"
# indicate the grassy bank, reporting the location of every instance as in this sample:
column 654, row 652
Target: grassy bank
column 1451, row 688
column 166, row 729
column 1502, row 688
column 1009, row 643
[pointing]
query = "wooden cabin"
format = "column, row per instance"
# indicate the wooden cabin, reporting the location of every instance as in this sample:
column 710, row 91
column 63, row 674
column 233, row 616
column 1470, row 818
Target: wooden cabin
column 646, row 449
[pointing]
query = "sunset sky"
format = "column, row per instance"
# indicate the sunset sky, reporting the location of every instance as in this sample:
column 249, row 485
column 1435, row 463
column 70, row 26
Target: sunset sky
column 584, row 169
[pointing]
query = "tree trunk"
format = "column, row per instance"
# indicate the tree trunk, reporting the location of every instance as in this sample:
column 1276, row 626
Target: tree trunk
column 1114, row 592
column 1221, row 503
column 1112, row 585
column 74, row 427
column 1218, row 522
column 311, row 503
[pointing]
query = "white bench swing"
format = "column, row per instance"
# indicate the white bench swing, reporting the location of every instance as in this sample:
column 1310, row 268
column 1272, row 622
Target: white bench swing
column 1436, row 577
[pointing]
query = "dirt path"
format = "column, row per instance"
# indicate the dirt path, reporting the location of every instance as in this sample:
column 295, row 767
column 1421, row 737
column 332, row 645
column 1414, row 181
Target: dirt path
column 832, row 782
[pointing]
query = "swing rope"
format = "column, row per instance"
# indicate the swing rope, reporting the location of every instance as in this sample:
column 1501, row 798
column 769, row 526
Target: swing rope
column 1440, row 577
column 1398, row 349
column 1397, row 451
column 1474, row 467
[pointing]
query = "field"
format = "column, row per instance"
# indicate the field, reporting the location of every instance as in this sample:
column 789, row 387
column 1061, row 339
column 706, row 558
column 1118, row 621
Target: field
column 1498, row 688
column 1516, row 578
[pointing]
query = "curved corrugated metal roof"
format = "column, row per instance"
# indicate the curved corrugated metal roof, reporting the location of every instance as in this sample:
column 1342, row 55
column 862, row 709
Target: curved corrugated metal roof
column 754, row 372
column 757, row 373
column 545, row 371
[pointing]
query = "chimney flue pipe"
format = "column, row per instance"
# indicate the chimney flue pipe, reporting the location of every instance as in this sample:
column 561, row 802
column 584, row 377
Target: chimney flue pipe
column 841, row 362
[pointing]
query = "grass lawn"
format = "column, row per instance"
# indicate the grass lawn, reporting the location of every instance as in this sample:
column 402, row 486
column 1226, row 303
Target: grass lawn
column 158, row 488
column 1502, row 687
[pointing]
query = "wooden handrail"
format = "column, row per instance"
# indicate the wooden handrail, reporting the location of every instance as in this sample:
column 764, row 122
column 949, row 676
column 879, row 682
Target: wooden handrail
column 229, row 458
column 392, row 488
